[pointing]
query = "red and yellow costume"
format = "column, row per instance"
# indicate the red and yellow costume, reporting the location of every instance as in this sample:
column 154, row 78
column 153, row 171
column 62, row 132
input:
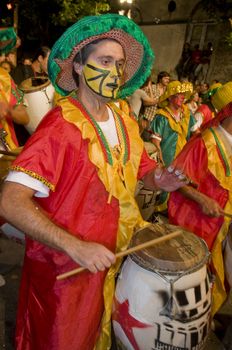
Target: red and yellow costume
column 10, row 95
column 206, row 159
column 92, row 197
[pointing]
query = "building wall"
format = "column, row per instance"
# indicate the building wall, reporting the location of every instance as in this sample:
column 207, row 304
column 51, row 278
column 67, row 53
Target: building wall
column 167, row 33
column 151, row 9
column 167, row 42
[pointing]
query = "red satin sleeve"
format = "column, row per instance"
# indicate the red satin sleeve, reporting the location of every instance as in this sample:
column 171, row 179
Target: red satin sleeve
column 146, row 164
column 46, row 153
column 187, row 213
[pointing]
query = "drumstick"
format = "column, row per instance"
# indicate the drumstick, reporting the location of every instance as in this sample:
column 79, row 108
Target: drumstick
column 125, row 252
column 9, row 153
column 228, row 215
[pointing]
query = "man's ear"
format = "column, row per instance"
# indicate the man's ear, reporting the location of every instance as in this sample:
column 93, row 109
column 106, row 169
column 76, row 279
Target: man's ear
column 78, row 67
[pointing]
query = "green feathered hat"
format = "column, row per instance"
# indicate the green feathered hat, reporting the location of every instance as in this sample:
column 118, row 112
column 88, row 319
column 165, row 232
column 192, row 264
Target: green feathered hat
column 8, row 39
column 139, row 55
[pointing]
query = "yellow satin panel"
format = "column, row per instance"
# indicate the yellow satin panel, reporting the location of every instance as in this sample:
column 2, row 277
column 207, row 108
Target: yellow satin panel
column 5, row 86
column 9, row 140
column 111, row 177
column 5, row 95
column 215, row 167
column 181, row 127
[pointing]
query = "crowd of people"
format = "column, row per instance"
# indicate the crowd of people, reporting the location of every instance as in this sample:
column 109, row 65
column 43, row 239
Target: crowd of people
column 194, row 62
column 77, row 174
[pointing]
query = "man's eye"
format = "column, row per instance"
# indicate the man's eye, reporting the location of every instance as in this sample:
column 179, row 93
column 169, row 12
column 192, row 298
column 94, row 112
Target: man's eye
column 105, row 62
column 120, row 65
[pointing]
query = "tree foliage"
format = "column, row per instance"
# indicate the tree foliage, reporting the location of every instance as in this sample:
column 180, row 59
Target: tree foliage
column 44, row 19
column 220, row 9
column 70, row 11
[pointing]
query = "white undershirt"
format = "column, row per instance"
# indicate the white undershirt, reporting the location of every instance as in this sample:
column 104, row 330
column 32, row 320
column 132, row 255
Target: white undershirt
column 109, row 129
column 199, row 119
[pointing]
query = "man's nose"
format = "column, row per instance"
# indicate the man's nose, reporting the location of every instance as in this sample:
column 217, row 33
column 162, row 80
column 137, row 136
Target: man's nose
column 114, row 73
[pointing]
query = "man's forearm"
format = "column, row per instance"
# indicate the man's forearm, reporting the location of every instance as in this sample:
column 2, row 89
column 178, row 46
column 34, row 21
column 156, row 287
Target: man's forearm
column 192, row 193
column 19, row 115
column 18, row 207
column 30, row 219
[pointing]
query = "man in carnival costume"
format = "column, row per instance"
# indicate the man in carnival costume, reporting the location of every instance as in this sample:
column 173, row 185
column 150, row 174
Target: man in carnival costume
column 11, row 99
column 75, row 182
column 207, row 159
column 171, row 127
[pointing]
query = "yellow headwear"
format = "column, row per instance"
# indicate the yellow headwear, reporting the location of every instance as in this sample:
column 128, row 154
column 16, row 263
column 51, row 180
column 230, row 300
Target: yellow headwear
column 173, row 88
column 223, row 96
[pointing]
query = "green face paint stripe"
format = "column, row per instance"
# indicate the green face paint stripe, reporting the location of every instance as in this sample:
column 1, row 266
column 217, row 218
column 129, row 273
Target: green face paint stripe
column 100, row 70
column 98, row 93
column 104, row 75
column 97, row 77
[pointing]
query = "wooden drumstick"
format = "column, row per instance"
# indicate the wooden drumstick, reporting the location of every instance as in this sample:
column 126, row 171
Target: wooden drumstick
column 228, row 215
column 9, row 153
column 126, row 252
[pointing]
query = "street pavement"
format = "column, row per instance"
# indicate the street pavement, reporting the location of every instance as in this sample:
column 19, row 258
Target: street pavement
column 11, row 258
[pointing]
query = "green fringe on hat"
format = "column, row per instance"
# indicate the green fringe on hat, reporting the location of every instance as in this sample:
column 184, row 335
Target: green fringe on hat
column 8, row 39
column 96, row 25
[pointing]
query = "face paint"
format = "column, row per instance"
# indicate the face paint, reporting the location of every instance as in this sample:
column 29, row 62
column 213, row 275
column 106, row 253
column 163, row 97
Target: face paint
column 104, row 82
column 177, row 100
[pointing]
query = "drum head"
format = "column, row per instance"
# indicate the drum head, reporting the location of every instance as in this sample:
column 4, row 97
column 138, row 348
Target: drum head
column 180, row 254
column 34, row 84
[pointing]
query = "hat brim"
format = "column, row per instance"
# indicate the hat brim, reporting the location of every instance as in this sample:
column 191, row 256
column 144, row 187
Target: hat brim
column 139, row 55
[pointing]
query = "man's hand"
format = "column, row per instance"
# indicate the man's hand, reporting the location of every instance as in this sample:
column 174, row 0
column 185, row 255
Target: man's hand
column 169, row 179
column 4, row 109
column 210, row 207
column 93, row 256
column 18, row 113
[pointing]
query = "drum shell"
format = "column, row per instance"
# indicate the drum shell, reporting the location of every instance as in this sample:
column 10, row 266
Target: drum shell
column 146, row 200
column 161, row 310
column 39, row 101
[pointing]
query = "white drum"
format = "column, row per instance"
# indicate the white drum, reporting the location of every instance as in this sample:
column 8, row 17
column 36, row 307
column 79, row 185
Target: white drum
column 13, row 233
column 39, row 95
column 163, row 294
